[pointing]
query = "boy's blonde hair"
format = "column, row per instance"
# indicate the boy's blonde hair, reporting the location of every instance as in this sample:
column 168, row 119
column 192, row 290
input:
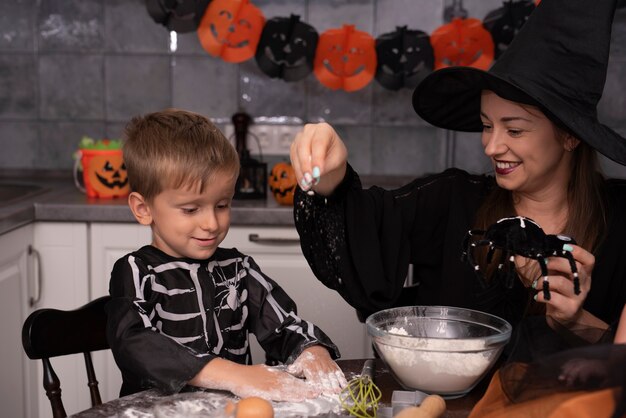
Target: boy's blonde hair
column 175, row 148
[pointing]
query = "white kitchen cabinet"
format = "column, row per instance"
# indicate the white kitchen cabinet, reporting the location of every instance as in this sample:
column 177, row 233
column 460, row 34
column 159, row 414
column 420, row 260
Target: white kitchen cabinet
column 63, row 254
column 277, row 252
column 16, row 369
column 108, row 243
column 42, row 265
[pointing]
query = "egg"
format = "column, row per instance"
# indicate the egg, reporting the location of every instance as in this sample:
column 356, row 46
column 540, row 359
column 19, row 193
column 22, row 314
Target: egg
column 252, row 407
column 230, row 409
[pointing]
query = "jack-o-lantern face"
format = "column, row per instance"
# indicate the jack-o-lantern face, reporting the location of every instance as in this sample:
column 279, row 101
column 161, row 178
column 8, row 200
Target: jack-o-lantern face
column 287, row 48
column 283, row 182
column 504, row 23
column 231, row 29
column 177, row 15
column 345, row 58
column 463, row 42
column 105, row 174
column 405, row 57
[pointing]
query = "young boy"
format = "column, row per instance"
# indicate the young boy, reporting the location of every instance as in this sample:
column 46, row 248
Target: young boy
column 182, row 307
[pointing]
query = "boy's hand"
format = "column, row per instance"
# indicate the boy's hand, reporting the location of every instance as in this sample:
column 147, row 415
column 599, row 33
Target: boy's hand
column 257, row 380
column 274, row 384
column 319, row 369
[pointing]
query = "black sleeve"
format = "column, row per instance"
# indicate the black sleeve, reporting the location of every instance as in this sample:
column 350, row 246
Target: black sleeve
column 146, row 358
column 274, row 319
column 361, row 242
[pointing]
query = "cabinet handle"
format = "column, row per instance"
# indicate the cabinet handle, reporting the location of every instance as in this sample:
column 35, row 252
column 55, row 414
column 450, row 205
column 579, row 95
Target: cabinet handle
column 34, row 300
column 273, row 241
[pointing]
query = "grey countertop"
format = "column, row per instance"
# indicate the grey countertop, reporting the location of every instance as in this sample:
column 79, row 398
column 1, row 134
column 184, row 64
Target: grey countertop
column 61, row 201
column 58, row 200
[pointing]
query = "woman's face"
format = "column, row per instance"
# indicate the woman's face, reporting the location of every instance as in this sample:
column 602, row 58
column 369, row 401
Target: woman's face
column 523, row 146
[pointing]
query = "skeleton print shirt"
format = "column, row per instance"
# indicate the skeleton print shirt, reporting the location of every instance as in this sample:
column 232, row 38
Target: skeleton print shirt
column 170, row 316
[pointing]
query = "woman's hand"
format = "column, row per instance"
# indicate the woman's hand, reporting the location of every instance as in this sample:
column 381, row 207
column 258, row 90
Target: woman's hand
column 579, row 371
column 257, row 380
column 564, row 305
column 319, row 369
column 319, row 158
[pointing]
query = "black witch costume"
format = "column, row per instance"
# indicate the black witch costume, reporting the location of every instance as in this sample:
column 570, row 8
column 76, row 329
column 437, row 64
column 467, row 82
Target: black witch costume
column 361, row 242
column 170, row 316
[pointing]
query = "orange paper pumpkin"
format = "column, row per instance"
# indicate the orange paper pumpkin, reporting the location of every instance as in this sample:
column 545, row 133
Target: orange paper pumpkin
column 104, row 173
column 463, row 42
column 283, row 182
column 231, row 29
column 345, row 58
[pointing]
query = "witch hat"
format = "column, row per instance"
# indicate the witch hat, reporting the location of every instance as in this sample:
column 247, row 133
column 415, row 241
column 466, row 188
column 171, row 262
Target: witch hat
column 557, row 62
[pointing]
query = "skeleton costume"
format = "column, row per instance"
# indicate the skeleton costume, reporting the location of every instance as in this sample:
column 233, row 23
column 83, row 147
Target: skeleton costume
column 170, row 316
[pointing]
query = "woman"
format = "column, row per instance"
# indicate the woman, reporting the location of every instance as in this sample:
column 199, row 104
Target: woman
column 536, row 108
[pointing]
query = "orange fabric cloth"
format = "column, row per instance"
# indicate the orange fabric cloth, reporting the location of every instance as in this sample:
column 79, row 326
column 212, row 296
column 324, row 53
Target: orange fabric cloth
column 583, row 404
column 595, row 404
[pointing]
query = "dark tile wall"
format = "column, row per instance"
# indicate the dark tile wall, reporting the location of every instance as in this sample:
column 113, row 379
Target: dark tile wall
column 70, row 68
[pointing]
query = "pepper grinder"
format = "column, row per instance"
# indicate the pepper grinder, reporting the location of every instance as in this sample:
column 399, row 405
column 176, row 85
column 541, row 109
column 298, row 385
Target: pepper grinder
column 252, row 180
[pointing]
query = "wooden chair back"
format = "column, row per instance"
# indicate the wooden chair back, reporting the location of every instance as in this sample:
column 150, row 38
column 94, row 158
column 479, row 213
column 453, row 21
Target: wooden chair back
column 51, row 333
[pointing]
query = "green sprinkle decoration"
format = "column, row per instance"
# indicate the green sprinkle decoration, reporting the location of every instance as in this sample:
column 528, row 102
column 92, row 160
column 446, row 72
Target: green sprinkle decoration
column 100, row 144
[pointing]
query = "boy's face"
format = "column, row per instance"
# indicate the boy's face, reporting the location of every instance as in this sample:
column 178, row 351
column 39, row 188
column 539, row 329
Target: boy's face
column 187, row 223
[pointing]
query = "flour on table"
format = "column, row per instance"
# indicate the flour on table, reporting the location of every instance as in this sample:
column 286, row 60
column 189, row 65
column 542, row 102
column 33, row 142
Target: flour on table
column 133, row 413
column 203, row 404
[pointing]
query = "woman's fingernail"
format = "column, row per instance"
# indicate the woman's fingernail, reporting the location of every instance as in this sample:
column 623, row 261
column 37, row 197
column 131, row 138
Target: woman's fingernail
column 308, row 178
column 534, row 284
column 567, row 247
column 316, row 173
column 535, row 297
column 545, row 260
column 304, row 184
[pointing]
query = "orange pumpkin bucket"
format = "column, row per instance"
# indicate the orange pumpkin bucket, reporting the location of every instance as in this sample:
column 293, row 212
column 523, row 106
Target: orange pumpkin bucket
column 283, row 182
column 104, row 173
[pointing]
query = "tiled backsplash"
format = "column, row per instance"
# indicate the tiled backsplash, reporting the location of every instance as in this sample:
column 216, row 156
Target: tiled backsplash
column 70, row 68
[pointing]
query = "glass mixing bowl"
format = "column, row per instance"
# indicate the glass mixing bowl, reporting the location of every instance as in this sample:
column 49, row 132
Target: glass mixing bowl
column 438, row 349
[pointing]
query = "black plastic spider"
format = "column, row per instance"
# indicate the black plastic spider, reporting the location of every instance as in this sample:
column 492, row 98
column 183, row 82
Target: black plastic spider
column 519, row 236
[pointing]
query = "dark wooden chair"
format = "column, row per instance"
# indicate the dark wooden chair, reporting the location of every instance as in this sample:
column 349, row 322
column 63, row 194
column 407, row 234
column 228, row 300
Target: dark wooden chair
column 51, row 333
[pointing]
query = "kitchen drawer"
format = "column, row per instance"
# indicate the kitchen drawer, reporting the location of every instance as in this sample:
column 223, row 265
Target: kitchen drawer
column 263, row 240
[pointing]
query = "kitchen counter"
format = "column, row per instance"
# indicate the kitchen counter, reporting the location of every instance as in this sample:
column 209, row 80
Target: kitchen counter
column 59, row 200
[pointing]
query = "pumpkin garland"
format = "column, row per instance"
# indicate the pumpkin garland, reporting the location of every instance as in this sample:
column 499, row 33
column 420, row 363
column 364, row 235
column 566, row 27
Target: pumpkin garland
column 287, row 48
column 406, row 57
column 179, row 16
column 463, row 42
column 231, row 29
column 345, row 58
column 341, row 58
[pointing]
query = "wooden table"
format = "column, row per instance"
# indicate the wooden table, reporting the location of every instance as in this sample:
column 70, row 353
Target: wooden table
column 455, row 408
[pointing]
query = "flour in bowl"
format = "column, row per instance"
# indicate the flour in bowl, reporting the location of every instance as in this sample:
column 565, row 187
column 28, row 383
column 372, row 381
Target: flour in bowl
column 429, row 365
